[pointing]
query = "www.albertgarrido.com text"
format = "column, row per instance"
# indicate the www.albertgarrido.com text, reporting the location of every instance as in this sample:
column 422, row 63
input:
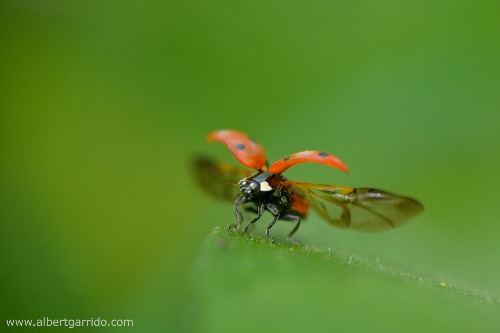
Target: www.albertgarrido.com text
column 69, row 323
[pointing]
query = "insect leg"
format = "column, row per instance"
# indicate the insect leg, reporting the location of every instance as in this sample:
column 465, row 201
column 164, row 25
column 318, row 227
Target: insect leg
column 275, row 211
column 292, row 218
column 260, row 211
column 237, row 213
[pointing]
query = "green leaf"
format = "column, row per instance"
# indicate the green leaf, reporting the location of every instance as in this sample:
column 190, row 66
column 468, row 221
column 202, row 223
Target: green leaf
column 244, row 284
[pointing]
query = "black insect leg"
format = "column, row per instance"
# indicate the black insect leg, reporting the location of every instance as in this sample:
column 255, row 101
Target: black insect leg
column 269, row 226
column 260, row 211
column 293, row 218
column 239, row 200
column 274, row 210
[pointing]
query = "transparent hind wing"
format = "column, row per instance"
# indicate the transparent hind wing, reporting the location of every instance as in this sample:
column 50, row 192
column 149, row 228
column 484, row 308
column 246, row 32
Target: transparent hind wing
column 218, row 179
column 361, row 209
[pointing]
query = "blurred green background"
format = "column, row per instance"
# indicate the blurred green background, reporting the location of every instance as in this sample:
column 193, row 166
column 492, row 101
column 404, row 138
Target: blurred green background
column 103, row 104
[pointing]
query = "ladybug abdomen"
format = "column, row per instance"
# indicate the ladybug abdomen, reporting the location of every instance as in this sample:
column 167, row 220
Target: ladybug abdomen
column 287, row 197
column 298, row 204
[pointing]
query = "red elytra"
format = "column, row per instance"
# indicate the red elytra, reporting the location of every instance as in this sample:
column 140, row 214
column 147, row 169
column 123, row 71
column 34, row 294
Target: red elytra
column 247, row 151
column 308, row 156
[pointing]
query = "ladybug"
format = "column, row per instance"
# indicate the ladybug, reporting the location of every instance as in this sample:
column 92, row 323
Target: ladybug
column 266, row 189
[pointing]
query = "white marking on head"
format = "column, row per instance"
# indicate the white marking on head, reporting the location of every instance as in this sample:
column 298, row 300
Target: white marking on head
column 265, row 187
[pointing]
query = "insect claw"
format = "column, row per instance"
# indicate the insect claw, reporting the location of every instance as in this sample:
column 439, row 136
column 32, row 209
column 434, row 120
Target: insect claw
column 233, row 227
column 271, row 238
column 293, row 241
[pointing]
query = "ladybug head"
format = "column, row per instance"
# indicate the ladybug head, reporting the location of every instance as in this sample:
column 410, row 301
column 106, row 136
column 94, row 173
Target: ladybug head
column 248, row 186
column 256, row 184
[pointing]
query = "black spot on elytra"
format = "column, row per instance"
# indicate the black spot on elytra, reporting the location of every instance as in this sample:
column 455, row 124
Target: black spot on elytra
column 240, row 146
column 323, row 154
column 286, row 158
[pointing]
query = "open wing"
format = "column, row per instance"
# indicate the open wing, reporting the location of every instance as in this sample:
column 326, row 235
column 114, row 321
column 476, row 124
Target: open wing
column 247, row 151
column 362, row 209
column 219, row 179
column 308, row 156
